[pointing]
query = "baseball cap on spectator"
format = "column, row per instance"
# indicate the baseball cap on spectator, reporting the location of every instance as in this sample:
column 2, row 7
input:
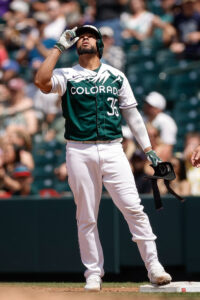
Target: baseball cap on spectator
column 16, row 84
column 21, row 171
column 106, row 31
column 20, row 6
column 11, row 65
column 156, row 100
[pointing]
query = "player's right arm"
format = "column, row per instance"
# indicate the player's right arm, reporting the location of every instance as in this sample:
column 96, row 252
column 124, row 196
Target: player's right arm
column 44, row 74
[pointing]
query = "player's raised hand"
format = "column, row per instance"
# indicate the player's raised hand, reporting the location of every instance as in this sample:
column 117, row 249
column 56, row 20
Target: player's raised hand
column 195, row 159
column 67, row 39
column 153, row 158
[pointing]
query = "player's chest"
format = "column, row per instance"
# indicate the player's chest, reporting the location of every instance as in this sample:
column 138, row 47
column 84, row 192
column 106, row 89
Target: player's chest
column 101, row 86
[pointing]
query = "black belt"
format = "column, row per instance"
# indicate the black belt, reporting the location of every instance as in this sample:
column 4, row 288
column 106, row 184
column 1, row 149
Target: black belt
column 96, row 142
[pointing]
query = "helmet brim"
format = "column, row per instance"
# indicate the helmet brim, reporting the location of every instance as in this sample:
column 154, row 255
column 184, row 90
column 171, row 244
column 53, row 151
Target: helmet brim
column 90, row 29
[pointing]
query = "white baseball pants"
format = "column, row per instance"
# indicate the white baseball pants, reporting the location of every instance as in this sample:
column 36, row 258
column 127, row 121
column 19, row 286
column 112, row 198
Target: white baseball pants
column 90, row 165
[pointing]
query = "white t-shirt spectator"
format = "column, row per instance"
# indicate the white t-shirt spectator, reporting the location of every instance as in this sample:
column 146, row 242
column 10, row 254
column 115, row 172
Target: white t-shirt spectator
column 55, row 28
column 141, row 24
column 167, row 128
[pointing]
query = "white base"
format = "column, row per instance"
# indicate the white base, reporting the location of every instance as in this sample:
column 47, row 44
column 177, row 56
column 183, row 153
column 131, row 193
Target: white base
column 173, row 287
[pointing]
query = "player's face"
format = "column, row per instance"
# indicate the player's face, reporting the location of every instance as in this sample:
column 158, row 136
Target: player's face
column 87, row 44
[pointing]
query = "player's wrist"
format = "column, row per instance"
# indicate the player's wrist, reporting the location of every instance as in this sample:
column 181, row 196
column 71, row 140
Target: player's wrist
column 60, row 47
column 152, row 157
column 147, row 149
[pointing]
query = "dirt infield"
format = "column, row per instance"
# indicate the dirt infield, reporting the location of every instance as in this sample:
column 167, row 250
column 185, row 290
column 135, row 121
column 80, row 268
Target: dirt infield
column 75, row 293
column 10, row 292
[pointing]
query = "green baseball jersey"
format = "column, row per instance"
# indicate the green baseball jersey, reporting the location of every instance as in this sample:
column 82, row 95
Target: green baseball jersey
column 91, row 101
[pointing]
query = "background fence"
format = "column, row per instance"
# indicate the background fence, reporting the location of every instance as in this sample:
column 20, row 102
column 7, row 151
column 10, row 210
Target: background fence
column 40, row 236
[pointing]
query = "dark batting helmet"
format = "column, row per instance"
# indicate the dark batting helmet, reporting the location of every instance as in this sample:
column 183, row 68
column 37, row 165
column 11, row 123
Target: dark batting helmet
column 92, row 29
column 165, row 171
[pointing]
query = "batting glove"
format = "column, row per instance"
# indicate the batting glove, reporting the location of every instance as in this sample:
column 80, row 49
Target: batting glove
column 67, row 39
column 153, row 158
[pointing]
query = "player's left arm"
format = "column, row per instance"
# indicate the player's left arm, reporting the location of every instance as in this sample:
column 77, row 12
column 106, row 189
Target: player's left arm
column 133, row 118
column 136, row 124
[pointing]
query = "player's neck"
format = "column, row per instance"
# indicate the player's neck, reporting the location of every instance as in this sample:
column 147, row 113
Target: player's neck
column 88, row 61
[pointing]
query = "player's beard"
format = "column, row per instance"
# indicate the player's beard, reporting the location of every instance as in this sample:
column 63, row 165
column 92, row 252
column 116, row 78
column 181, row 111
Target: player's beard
column 91, row 50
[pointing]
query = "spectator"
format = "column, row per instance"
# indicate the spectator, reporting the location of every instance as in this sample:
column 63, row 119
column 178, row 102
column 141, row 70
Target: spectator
column 22, row 175
column 157, row 143
column 18, row 25
column 73, row 12
column 137, row 162
column 112, row 54
column 3, row 51
column 57, row 22
column 154, row 106
column 195, row 159
column 4, row 7
column 197, row 6
column 7, row 184
column 10, row 69
column 38, row 6
column 9, row 159
column 139, row 24
column 158, row 146
column 187, row 24
column 47, row 109
column 55, row 129
column 11, row 156
column 4, row 95
column 180, row 184
column 19, row 182
column 14, row 153
column 3, row 191
column 107, row 13
column 167, row 15
column 61, row 172
column 192, row 141
column 22, row 140
column 37, row 46
column 167, row 7
column 19, row 109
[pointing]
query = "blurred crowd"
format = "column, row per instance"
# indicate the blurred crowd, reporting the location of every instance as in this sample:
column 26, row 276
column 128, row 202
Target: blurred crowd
column 28, row 31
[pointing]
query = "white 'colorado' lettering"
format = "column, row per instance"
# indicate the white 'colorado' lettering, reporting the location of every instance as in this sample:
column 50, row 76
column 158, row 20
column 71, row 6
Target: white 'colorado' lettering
column 102, row 89
column 91, row 90
column 94, row 90
column 73, row 90
column 80, row 90
column 115, row 91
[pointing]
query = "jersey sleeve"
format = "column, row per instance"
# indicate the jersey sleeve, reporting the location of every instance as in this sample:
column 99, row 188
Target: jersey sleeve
column 59, row 82
column 126, row 96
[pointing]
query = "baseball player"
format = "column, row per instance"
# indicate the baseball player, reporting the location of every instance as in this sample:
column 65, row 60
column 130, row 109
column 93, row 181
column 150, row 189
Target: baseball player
column 95, row 96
